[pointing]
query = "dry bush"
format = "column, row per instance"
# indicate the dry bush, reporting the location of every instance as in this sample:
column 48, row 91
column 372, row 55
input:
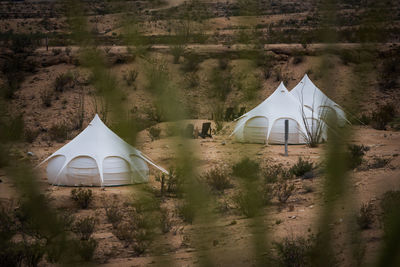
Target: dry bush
column 82, row 197
column 283, row 190
column 273, row 172
column 218, row 179
column 382, row 116
column 84, row 227
column 59, row 132
column 165, row 220
column 30, row 135
column 192, row 80
column 379, row 162
column 114, row 214
column 297, row 251
column 154, row 133
column 46, row 96
column 131, row 77
column 63, row 82
column 138, row 229
column 365, row 217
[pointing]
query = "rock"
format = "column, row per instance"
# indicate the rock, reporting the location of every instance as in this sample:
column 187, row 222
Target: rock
column 31, row 154
column 223, row 143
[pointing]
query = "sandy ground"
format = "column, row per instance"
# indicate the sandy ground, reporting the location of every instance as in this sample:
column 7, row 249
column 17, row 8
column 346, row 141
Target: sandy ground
column 234, row 240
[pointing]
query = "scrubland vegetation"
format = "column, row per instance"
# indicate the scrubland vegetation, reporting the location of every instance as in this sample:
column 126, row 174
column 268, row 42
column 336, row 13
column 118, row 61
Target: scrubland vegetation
column 148, row 69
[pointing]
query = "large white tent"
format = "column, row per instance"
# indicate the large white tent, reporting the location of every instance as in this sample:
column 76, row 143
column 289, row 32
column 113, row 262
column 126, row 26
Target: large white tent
column 312, row 98
column 266, row 122
column 98, row 157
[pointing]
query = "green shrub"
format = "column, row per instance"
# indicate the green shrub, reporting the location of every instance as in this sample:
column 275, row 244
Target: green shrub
column 186, row 212
column 365, row 217
column 175, row 181
column 301, row 167
column 11, row 254
column 223, row 63
column 63, row 82
column 84, row 227
column 177, row 51
column 390, row 211
column 395, row 124
column 59, row 132
column 8, row 227
column 191, row 62
column 83, row 197
column 382, row 116
column 248, row 203
column 356, row 154
column 86, row 248
column 218, row 179
column 246, row 168
column 33, row 253
column 221, row 82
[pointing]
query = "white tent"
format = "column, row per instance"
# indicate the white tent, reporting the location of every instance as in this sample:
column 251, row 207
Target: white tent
column 98, row 157
column 311, row 97
column 266, row 122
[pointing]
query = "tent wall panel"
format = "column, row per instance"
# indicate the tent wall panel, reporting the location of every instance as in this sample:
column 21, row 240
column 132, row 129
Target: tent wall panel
column 116, row 171
column 140, row 170
column 277, row 134
column 82, row 171
column 54, row 167
column 256, row 130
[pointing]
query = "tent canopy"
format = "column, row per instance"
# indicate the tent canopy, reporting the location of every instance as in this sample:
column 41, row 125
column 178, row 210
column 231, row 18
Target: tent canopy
column 311, row 97
column 97, row 156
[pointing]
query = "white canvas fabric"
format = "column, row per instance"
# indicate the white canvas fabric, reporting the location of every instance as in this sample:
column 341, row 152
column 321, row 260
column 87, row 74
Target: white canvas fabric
column 266, row 122
column 315, row 100
column 98, row 157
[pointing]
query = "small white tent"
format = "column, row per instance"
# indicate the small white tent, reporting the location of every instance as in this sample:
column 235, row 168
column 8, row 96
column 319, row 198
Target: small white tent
column 266, row 122
column 98, row 157
column 311, row 97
